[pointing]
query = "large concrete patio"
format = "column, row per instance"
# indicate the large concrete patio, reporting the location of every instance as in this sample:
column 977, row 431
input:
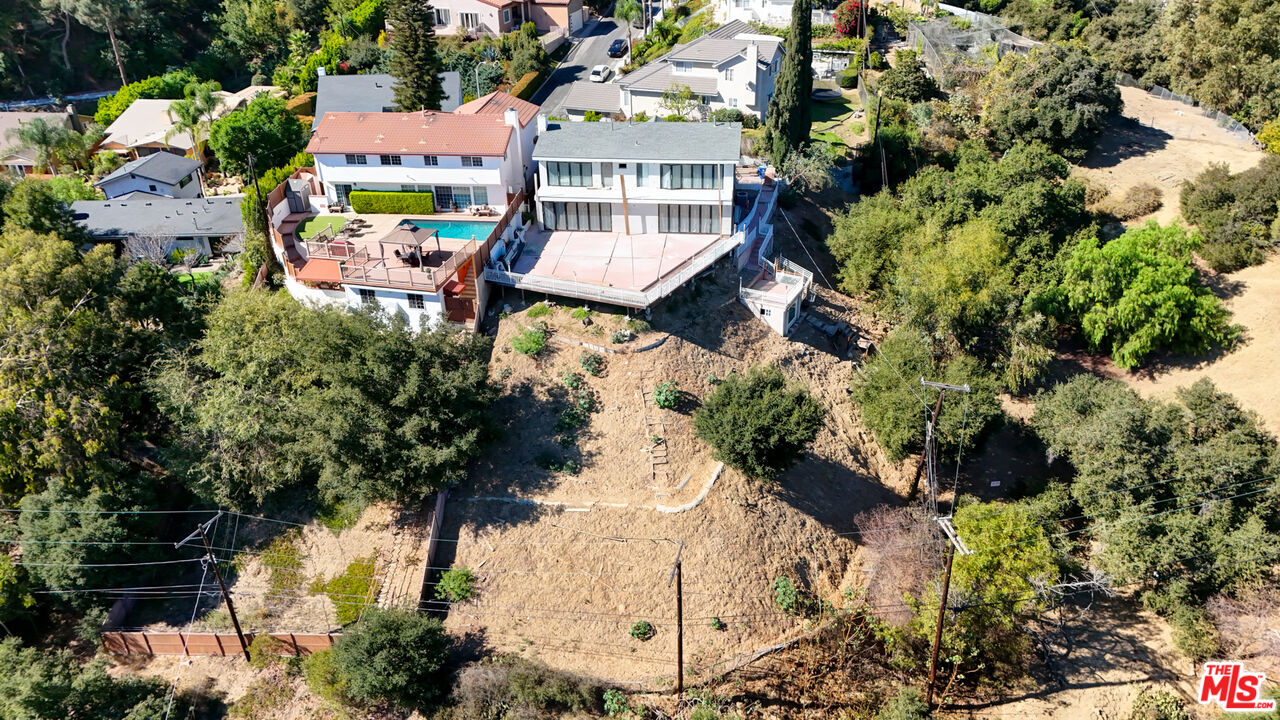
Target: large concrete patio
column 616, row 260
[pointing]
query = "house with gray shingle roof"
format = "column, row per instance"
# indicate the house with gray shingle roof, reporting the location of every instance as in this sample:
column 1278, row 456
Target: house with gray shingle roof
column 206, row 225
column 162, row 175
column 729, row 67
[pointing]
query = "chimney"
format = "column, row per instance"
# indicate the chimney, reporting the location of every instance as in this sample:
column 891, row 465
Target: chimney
column 511, row 116
column 542, row 123
column 74, row 118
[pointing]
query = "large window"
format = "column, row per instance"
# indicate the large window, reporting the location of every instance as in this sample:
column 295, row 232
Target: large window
column 469, row 20
column 577, row 216
column 472, row 161
column 686, row 177
column 569, row 173
column 357, row 160
column 430, row 160
column 480, row 195
column 687, row 219
column 642, row 174
column 606, row 174
column 442, row 17
column 389, row 159
column 457, row 197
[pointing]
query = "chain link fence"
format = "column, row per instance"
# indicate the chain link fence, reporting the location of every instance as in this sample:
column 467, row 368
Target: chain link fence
column 1237, row 132
column 955, row 50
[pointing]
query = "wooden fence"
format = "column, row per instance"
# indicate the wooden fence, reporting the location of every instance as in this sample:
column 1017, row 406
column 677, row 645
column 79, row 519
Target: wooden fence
column 206, row 644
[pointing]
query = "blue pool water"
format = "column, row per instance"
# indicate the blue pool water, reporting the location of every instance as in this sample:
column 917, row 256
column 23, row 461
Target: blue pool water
column 457, row 229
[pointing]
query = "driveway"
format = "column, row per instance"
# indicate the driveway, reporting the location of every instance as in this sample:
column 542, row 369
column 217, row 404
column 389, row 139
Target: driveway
column 588, row 51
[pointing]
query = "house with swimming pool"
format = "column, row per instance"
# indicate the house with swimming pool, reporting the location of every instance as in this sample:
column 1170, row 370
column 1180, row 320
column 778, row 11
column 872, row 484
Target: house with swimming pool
column 470, row 161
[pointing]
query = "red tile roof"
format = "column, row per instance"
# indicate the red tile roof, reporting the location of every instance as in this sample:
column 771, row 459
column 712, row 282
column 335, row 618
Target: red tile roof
column 418, row 133
column 496, row 103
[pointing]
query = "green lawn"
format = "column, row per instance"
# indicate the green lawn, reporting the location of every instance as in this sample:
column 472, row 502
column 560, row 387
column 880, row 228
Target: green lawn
column 197, row 280
column 831, row 120
column 313, row 225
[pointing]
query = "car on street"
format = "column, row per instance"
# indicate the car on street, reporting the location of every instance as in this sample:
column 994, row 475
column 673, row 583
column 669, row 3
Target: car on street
column 600, row 73
column 618, row 48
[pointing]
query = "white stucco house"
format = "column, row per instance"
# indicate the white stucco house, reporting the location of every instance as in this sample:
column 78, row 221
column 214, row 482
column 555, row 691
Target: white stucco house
column 497, row 17
column 769, row 12
column 475, row 156
column 731, row 67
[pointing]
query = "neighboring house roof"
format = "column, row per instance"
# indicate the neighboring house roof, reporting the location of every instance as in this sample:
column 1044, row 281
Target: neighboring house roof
column 650, row 141
column 9, row 148
column 371, row 93
column 170, row 217
column 163, row 167
column 420, row 133
column 600, row 97
column 496, row 103
column 146, row 121
column 715, row 47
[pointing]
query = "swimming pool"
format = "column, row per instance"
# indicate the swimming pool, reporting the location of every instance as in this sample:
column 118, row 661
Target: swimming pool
column 457, row 229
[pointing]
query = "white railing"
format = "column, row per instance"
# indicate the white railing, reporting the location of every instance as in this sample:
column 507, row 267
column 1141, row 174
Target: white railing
column 627, row 298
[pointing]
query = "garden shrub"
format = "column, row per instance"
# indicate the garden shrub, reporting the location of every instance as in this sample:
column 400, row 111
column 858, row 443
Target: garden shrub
column 642, row 630
column 908, row 704
column 591, row 362
column 169, row 86
column 376, row 202
column 1141, row 199
column 323, row 677
column 538, row 310
column 758, row 423
column 304, row 104
column 1236, row 214
column 457, row 584
column 785, row 595
column 394, row 656
column 352, row 591
column 1157, row 705
column 529, row 341
column 509, row 687
column 265, row 697
column 527, row 85
column 667, row 394
column 1193, row 633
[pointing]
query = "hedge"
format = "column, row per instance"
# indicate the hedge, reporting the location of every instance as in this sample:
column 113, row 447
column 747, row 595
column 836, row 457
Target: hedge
column 302, row 105
column 374, row 202
column 528, row 85
column 169, row 86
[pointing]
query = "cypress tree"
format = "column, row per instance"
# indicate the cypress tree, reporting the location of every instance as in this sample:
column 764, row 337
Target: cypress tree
column 414, row 60
column 789, row 116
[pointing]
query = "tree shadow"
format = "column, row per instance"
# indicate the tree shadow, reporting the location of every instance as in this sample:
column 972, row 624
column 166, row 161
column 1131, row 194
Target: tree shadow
column 1124, row 138
column 831, row 493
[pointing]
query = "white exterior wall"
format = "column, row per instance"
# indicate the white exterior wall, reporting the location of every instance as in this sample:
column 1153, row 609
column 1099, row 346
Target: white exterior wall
column 396, row 302
column 496, row 175
column 642, row 200
column 490, row 17
column 769, row 12
column 740, row 84
column 133, row 183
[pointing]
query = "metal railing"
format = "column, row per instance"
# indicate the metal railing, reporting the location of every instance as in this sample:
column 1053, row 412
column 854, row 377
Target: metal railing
column 627, row 298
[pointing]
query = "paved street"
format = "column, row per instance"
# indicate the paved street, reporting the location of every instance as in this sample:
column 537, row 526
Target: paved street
column 590, row 50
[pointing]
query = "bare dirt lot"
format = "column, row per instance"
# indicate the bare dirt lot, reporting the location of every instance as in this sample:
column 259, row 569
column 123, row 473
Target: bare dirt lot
column 567, row 563
column 1162, row 142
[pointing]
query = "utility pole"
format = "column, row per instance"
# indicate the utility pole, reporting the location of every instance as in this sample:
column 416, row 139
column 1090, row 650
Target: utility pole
column 201, row 529
column 928, row 460
column 676, row 576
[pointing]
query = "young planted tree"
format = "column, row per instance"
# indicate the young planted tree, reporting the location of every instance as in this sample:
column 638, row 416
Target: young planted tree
column 786, row 127
column 394, row 657
column 414, row 60
column 194, row 115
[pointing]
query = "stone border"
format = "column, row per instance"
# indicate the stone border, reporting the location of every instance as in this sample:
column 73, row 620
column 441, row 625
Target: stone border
column 610, row 351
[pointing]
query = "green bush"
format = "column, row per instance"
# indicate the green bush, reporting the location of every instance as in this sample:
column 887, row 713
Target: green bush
column 785, row 595
column 394, row 656
column 529, row 341
column 457, row 584
column 323, row 677
column 265, row 697
column 169, row 86
column 1236, row 214
column 616, row 704
column 908, row 704
column 718, row 624
column 591, row 362
column 514, row 687
column 1158, row 705
column 758, row 423
column 1141, row 199
column 267, row 650
column 538, row 310
column 352, row 591
column 642, row 630
column 408, row 203
column 527, row 85
column 667, row 394
column 1193, row 633
column 875, row 61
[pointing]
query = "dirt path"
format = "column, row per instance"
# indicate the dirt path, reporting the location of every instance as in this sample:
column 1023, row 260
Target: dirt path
column 1249, row 372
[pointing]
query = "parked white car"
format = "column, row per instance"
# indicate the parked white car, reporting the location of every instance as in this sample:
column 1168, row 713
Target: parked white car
column 600, row 73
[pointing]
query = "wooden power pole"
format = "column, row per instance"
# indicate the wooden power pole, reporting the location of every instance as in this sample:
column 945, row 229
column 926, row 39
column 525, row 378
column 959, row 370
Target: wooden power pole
column 201, row 529
column 676, row 576
column 929, row 461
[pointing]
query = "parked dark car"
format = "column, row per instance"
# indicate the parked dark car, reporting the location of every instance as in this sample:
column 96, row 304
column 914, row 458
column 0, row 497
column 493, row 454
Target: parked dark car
column 618, row 48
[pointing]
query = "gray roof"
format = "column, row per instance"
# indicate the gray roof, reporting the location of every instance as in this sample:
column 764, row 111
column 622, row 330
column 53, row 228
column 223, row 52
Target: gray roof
column 659, row 76
column 372, row 93
column 601, row 97
column 163, row 167
column 733, row 28
column 712, row 50
column 646, row 142
column 171, row 217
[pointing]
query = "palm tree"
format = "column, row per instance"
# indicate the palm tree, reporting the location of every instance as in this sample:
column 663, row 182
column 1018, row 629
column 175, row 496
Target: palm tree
column 195, row 114
column 76, row 148
column 628, row 10
column 40, row 135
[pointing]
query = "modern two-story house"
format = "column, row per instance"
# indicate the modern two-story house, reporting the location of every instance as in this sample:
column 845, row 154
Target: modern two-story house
column 625, row 212
column 496, row 17
column 730, row 67
column 475, row 156
column 159, row 174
